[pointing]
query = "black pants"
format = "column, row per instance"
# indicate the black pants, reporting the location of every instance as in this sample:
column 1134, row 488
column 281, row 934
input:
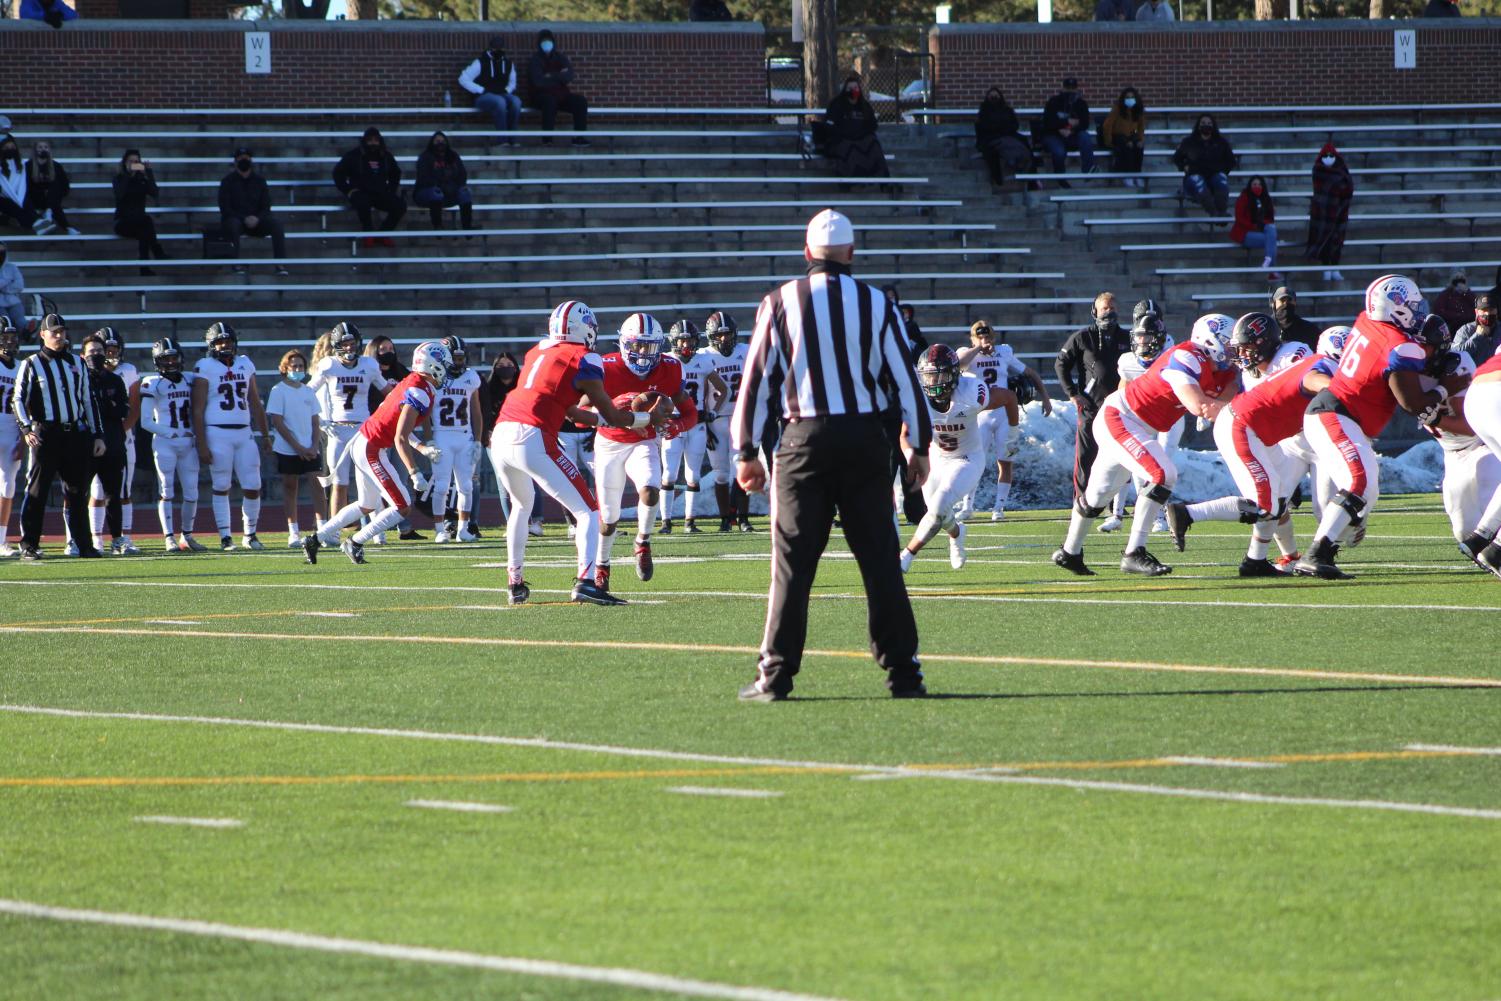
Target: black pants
column 393, row 205
column 1085, row 449
column 23, row 216
column 70, row 455
column 110, row 468
column 1126, row 158
column 824, row 466
column 142, row 230
column 48, row 199
column 266, row 225
column 551, row 104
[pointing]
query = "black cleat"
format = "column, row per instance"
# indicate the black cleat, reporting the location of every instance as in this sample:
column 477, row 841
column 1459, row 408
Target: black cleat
column 746, row 526
column 690, row 527
column 724, row 525
column 753, row 692
column 226, row 544
column 644, row 566
column 1260, row 568
column 1072, row 562
column 520, row 593
column 1490, row 558
column 1471, row 547
column 310, row 547
column 666, row 528
column 1319, row 562
column 590, row 593
column 30, row 554
column 354, row 550
column 1142, row 562
column 1178, row 523
column 412, row 535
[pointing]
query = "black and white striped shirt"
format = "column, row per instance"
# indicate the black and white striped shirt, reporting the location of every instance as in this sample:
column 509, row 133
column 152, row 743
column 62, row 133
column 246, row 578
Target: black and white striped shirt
column 826, row 345
column 54, row 388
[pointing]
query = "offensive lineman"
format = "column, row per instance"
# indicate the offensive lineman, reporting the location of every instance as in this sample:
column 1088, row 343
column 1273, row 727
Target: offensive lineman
column 456, row 424
column 345, row 379
column 992, row 360
column 167, row 413
column 700, row 378
column 226, row 404
column 10, row 430
column 1149, row 338
column 1472, row 472
column 729, row 363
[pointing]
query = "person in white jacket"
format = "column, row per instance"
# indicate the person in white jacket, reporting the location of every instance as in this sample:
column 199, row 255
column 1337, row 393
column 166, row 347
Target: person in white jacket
column 11, row 287
column 491, row 78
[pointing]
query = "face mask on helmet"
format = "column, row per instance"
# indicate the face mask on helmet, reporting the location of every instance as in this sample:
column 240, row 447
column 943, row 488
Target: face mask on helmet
column 223, row 350
column 1147, row 343
column 938, row 374
column 433, row 362
column 1332, row 342
column 9, row 341
column 684, row 345
column 1397, row 300
column 459, row 363
column 641, row 353
column 1211, row 333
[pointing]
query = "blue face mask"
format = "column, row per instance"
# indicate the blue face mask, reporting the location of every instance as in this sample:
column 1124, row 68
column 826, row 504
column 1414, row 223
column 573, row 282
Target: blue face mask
column 1129, row 102
column 297, row 376
column 546, row 47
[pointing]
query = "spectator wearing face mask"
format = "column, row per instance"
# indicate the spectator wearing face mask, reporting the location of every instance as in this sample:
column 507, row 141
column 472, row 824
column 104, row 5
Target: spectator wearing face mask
column 370, row 178
column 1255, row 226
column 134, row 185
column 1329, row 210
column 12, row 286
column 998, row 137
column 1206, row 159
column 491, row 78
column 1125, row 133
column 709, row 10
column 1479, row 336
column 113, row 402
column 13, row 189
column 1456, row 303
column 47, row 185
column 442, row 181
column 852, row 142
column 1293, row 326
column 1155, row 10
column 550, row 73
column 292, row 411
column 1087, row 368
column 245, row 208
column 1066, row 126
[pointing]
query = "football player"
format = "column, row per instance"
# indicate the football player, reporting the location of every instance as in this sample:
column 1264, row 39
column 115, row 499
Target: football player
column 956, row 403
column 226, row 403
column 394, row 424
column 456, row 424
column 729, row 363
column 346, row 379
column 1149, row 338
column 1198, row 377
column 701, row 381
column 991, row 358
column 1482, row 413
column 167, row 413
column 524, row 444
column 10, row 431
column 1472, row 472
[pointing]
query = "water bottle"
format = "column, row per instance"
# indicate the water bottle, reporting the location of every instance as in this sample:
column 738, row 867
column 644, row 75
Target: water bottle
column 447, row 98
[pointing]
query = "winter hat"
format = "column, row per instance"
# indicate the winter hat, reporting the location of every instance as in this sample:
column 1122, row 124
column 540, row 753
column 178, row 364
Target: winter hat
column 545, row 35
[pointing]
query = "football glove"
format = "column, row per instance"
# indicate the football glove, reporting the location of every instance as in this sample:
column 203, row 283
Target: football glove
column 587, row 444
column 1012, row 444
column 421, row 484
column 1435, row 412
column 671, row 429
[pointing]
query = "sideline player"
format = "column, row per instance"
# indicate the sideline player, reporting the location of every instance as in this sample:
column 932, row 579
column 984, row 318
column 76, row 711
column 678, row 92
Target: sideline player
column 456, row 424
column 1149, row 338
column 1198, row 377
column 167, row 413
column 700, row 379
column 991, row 359
column 346, row 379
column 956, row 405
column 406, row 407
column 729, row 363
column 10, row 430
column 225, row 405
column 524, row 444
column 114, row 360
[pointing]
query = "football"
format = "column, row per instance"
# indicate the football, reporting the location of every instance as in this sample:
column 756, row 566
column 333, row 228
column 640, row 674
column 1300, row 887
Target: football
column 642, row 402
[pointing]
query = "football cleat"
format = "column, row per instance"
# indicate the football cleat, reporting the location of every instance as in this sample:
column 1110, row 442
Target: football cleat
column 1110, row 524
column 171, row 546
column 116, row 546
column 1140, row 561
column 411, row 535
column 520, row 593
column 71, row 549
column 534, row 528
column 602, row 576
column 690, row 527
column 1260, row 568
column 354, row 550
column 128, row 546
column 753, row 692
column 1286, row 562
column 294, row 542
column 910, row 690
column 252, row 543
column 666, row 528
column 442, row 536
column 467, row 533
column 310, row 546
column 1319, row 562
column 956, row 548
column 999, row 515
column 906, row 559
column 587, row 592
column 1072, row 562
column 1472, row 546
column 30, row 554
column 724, row 525
column 1178, row 522
column 1159, row 527
column 191, row 544
column 7, row 550
column 226, row 544
column 644, row 566
column 1490, row 558
column 746, row 526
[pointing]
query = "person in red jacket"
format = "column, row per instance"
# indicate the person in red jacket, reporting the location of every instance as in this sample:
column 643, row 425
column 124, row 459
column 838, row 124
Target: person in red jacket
column 1255, row 227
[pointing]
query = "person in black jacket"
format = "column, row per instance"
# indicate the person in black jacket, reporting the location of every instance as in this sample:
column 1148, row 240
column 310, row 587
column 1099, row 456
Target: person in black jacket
column 1087, row 368
column 47, row 185
column 998, row 137
column 442, row 181
column 113, row 401
column 1066, row 125
column 550, row 73
column 134, row 183
column 245, row 207
column 1293, row 326
column 851, row 130
column 709, row 10
column 370, row 178
column 491, row 78
column 1206, row 159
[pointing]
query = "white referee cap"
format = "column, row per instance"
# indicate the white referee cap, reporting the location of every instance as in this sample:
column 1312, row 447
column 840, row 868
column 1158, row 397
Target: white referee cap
column 830, row 229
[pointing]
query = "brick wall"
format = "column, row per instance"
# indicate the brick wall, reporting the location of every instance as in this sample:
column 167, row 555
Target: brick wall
column 1246, row 62
column 363, row 64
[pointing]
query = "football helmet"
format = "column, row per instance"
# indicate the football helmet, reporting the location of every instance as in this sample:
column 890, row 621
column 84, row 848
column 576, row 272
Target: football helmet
column 346, row 342
column 1143, row 308
column 10, row 340
column 166, row 355
column 684, row 338
column 458, row 353
column 1255, row 340
column 1148, row 337
column 1332, row 342
column 114, row 346
column 1397, row 300
column 722, row 332
column 221, row 342
column 572, row 322
column 432, row 360
column 938, row 373
column 641, row 343
column 1211, row 332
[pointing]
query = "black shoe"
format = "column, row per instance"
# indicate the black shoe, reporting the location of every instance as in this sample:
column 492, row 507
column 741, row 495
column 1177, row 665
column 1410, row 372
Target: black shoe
column 1490, row 558
column 644, row 565
column 520, row 593
column 1260, row 568
column 1140, row 561
column 753, row 692
column 907, row 686
column 690, row 527
column 587, row 592
column 724, row 525
column 310, row 547
column 412, row 535
column 666, row 528
column 1072, row 562
column 226, row 544
column 746, row 526
column 354, row 550
column 1319, row 562
column 31, row 554
column 1472, row 546
column 90, row 554
column 1178, row 522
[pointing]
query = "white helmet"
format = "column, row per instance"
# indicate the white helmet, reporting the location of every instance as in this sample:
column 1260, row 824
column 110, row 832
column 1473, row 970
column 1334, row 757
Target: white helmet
column 1211, row 332
column 1332, row 341
column 573, row 322
column 1397, row 300
column 641, row 342
column 432, row 360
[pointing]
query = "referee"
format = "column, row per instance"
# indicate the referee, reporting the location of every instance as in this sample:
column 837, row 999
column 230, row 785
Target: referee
column 824, row 348
column 55, row 407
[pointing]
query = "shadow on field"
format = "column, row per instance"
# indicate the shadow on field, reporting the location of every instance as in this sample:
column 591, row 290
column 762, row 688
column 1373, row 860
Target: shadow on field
column 1175, row 693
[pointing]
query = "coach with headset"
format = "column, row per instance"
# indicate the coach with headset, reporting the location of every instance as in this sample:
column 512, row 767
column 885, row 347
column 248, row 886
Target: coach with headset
column 824, row 349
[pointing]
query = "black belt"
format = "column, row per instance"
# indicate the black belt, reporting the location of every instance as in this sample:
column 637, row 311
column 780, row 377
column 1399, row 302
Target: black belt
column 62, row 425
column 230, row 427
column 834, row 419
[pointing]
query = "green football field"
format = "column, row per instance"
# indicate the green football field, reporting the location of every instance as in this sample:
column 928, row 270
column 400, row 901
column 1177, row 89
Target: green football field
column 236, row 776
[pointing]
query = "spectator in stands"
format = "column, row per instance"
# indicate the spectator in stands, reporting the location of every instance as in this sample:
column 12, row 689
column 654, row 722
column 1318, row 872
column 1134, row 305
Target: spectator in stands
column 909, row 320
column 1114, row 10
column 851, row 133
column 13, row 190
column 492, row 79
column 1255, row 227
column 12, row 286
column 1155, row 10
column 709, row 10
column 1456, row 303
column 999, row 139
column 550, row 73
column 1329, row 210
column 245, row 208
column 134, row 183
column 442, row 181
column 1206, row 159
column 1479, row 337
column 1293, row 326
column 1442, row 8
column 370, row 178
column 1066, row 126
column 54, row 12
column 1124, row 133
column 292, row 410
column 47, row 185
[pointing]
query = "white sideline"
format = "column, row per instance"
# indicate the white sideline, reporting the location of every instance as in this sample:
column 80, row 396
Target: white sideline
column 615, row 976
column 725, row 791
column 220, row 822
column 459, row 806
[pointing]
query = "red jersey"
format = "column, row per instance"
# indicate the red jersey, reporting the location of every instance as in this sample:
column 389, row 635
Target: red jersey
column 1274, row 409
column 548, row 384
column 1492, row 365
column 1373, row 351
column 414, row 391
column 666, row 378
column 1154, row 398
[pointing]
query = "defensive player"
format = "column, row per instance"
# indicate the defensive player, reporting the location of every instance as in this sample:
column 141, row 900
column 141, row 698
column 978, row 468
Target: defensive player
column 640, row 368
column 1482, row 411
column 1381, row 368
column 167, row 413
column 1472, row 472
column 701, row 382
column 406, row 407
column 524, row 443
column 991, row 359
column 10, row 431
column 956, row 404
column 456, row 424
column 346, row 379
column 1149, row 338
column 1198, row 377
column 729, row 363
column 226, row 404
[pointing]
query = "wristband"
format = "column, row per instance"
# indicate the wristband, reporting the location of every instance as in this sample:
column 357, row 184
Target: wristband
column 640, row 421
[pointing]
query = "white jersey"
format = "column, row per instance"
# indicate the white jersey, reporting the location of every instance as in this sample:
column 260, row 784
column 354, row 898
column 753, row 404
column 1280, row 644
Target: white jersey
column 1131, row 367
column 228, row 391
column 996, row 368
column 348, row 387
column 452, row 411
column 956, row 431
column 167, row 406
column 1290, row 353
column 128, row 373
column 1449, row 440
column 696, row 371
column 731, row 369
column 8, row 420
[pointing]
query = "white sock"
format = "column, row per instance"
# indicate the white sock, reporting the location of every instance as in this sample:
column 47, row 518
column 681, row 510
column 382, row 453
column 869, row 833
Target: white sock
column 645, row 520
column 515, row 537
column 926, row 529
column 67, row 526
column 1219, row 509
column 1078, row 528
column 347, row 515
column 4, row 527
column 389, row 518
column 127, row 517
column 1261, row 539
column 1002, row 492
column 221, row 513
column 1118, row 506
column 669, row 497
column 1147, row 511
column 1287, row 542
column 1336, row 519
column 250, row 514
column 292, row 528
column 688, row 496
column 164, row 512
column 96, row 520
column 607, row 547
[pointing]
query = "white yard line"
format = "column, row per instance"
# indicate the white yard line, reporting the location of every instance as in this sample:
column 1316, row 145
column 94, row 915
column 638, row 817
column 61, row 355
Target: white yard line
column 725, row 791
column 219, row 822
column 1448, row 749
column 1220, row 762
column 459, row 806
column 330, row 615
column 614, row 976
column 173, row 622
